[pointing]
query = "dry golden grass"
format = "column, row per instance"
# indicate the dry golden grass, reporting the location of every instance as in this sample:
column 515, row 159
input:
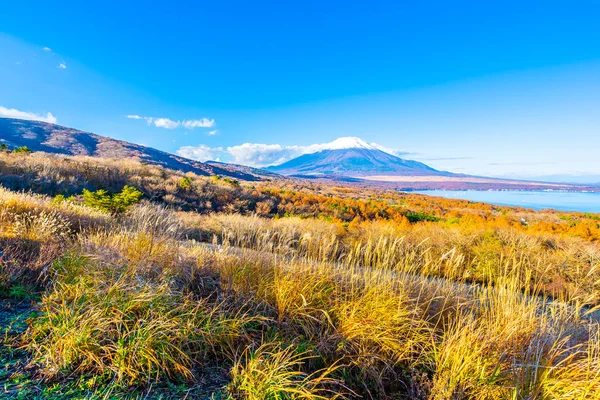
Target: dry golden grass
column 304, row 308
column 271, row 372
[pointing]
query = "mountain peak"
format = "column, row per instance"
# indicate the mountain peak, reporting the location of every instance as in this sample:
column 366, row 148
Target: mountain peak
column 352, row 156
column 348, row 142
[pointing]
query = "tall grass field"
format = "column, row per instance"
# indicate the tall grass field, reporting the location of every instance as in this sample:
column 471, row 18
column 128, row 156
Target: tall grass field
column 120, row 280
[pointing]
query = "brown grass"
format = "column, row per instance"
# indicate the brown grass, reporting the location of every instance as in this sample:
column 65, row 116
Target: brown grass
column 303, row 307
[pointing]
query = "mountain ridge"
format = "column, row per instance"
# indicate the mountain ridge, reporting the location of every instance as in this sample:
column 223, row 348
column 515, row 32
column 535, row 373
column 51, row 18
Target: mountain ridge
column 353, row 157
column 58, row 139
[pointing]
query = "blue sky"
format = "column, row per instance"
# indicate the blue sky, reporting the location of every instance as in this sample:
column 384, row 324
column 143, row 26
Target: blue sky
column 506, row 89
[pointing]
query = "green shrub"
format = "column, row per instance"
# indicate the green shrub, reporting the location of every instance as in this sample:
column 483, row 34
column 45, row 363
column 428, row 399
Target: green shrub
column 113, row 203
column 185, row 183
column 233, row 182
column 421, row 216
column 22, row 149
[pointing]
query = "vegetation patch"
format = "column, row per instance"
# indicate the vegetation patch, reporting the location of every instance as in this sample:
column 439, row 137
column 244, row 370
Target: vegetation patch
column 198, row 291
column 116, row 203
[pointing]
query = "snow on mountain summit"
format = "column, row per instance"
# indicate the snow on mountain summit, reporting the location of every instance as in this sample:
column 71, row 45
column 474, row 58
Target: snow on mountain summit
column 351, row 156
column 348, row 142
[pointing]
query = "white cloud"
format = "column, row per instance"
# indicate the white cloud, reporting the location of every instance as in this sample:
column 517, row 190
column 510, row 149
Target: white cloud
column 14, row 113
column 212, row 133
column 200, row 152
column 198, row 123
column 263, row 155
column 163, row 123
column 62, row 65
column 168, row 123
column 47, row 49
column 394, row 152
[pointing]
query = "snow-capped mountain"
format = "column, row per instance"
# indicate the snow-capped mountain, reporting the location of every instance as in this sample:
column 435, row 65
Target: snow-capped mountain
column 349, row 142
column 352, row 156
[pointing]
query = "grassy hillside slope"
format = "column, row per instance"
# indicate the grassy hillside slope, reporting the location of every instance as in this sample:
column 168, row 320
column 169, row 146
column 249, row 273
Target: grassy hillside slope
column 57, row 139
column 215, row 288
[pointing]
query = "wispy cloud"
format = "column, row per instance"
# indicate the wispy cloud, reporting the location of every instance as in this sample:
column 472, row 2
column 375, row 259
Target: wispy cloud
column 168, row 123
column 198, row 123
column 527, row 163
column 47, row 49
column 445, row 158
column 62, row 65
column 14, row 113
column 397, row 153
column 212, row 133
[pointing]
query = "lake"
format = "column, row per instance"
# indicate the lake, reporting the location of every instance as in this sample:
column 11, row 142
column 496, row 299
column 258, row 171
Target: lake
column 565, row 201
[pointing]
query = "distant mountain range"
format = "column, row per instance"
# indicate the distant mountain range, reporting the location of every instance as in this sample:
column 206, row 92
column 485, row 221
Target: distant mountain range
column 52, row 138
column 353, row 157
